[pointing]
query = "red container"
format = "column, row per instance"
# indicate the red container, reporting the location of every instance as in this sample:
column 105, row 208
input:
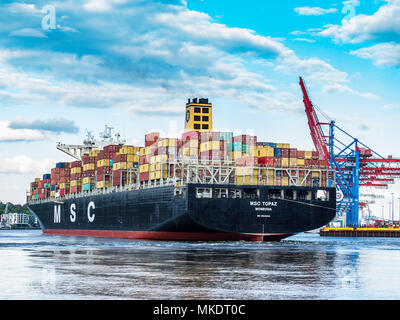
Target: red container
column 143, row 159
column 277, row 162
column 76, row 176
column 112, row 148
column 103, row 170
column 64, row 172
column 76, row 189
column 285, row 153
column 144, row 176
column 205, row 155
column 120, row 158
column 55, row 171
column 315, row 155
column 103, row 177
column 151, row 138
column 190, row 135
column 267, row 161
column 247, row 161
column 300, row 154
column 76, row 164
column 307, row 163
column 89, row 173
column 292, row 153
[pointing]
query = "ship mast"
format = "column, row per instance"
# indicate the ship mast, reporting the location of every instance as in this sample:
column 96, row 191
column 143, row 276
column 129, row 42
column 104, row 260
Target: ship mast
column 89, row 143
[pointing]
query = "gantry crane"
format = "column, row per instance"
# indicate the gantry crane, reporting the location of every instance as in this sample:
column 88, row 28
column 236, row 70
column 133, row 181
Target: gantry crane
column 356, row 165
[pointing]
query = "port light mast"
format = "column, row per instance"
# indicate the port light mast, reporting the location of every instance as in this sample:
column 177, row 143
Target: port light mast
column 356, row 165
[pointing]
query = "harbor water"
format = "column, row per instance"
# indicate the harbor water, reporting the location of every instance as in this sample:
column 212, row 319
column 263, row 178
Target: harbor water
column 305, row 266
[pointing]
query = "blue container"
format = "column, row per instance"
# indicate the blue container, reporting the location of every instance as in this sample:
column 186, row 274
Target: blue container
column 60, row 165
column 53, row 187
column 46, row 176
column 273, row 145
column 278, row 152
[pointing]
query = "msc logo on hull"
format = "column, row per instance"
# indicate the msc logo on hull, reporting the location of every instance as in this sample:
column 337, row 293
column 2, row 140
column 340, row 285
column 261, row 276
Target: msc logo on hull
column 72, row 212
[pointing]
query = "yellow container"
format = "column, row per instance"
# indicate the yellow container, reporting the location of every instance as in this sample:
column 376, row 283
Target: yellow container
column 188, row 152
column 315, row 174
column 89, row 166
column 75, row 183
column 163, row 167
column 102, row 184
column 285, row 162
column 144, row 168
column 285, row 181
column 52, row 193
column 153, row 160
column 153, row 175
column 103, row 163
column 236, row 154
column 143, row 151
column 246, row 171
column 292, row 162
column 246, row 180
column 193, row 143
column 62, row 185
column 158, row 175
column 87, row 180
column 94, row 153
column 153, row 167
column 120, row 166
column 300, row 163
column 283, row 145
column 132, row 158
column 308, row 155
column 76, row 170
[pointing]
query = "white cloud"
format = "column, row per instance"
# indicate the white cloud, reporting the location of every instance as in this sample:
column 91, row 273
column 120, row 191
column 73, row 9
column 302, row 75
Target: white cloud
column 313, row 11
column 383, row 54
column 28, row 32
column 383, row 24
column 304, row 40
column 391, row 106
column 22, row 164
column 341, row 88
column 12, row 135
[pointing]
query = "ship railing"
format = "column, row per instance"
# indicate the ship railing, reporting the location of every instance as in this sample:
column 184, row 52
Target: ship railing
column 186, row 171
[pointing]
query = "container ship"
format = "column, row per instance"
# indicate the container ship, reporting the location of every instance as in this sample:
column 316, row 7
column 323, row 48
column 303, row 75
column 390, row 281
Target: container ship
column 203, row 186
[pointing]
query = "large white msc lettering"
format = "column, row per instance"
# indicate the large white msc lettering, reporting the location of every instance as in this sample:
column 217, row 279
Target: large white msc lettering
column 72, row 209
column 90, row 216
column 57, row 214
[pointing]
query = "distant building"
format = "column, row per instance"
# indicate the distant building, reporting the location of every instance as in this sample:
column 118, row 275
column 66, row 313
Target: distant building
column 17, row 220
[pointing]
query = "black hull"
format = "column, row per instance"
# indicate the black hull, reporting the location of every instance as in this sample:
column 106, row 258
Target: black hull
column 156, row 213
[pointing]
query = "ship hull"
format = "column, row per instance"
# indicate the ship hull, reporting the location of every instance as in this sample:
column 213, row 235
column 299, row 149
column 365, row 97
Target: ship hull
column 158, row 214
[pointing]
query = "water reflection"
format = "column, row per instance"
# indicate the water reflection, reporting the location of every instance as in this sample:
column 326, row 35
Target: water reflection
column 304, row 267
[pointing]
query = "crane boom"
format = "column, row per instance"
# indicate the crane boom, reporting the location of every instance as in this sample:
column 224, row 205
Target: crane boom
column 315, row 126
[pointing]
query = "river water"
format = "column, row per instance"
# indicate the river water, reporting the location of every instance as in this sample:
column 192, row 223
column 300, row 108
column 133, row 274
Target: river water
column 305, row 266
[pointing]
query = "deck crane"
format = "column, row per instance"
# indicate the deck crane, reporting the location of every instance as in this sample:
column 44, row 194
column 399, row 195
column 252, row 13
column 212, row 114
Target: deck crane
column 355, row 164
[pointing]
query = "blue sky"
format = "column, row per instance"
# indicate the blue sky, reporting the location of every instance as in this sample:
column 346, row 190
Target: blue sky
column 134, row 64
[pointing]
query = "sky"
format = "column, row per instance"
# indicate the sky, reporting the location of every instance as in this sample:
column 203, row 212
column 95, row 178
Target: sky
column 71, row 66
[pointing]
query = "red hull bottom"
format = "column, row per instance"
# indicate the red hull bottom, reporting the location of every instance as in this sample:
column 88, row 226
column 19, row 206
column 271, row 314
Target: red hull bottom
column 171, row 236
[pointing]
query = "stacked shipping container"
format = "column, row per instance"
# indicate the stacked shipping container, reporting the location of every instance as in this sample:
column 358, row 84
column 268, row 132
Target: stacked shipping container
column 113, row 165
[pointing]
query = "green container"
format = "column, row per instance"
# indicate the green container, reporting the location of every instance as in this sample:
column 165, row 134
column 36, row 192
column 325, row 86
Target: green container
column 226, row 136
column 235, row 146
column 245, row 148
column 87, row 187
